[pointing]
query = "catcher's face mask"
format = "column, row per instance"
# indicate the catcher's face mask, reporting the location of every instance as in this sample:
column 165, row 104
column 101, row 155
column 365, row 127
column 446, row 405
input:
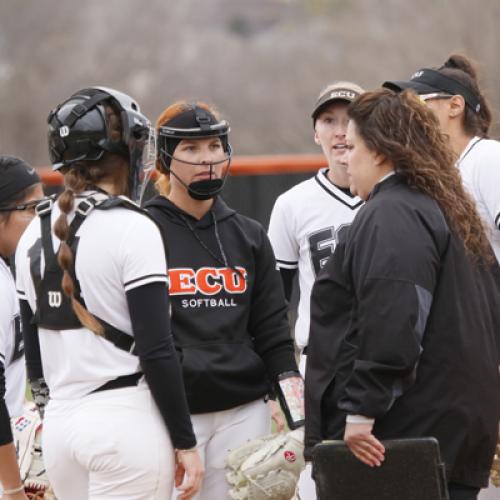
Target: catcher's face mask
column 193, row 124
column 78, row 132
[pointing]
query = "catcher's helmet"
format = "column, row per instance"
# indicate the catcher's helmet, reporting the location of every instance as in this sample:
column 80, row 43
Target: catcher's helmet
column 78, row 131
column 195, row 122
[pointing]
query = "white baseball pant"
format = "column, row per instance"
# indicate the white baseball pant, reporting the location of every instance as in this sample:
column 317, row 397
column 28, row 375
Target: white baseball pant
column 108, row 445
column 306, row 486
column 219, row 432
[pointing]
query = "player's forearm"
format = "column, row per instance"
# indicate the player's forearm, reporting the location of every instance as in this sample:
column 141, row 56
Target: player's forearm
column 9, row 471
column 159, row 361
column 167, row 387
column 31, row 342
column 268, row 321
column 287, row 277
column 5, row 431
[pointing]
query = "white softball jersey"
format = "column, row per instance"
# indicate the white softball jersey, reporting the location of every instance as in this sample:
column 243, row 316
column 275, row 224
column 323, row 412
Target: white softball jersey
column 479, row 166
column 118, row 250
column 11, row 343
column 303, row 230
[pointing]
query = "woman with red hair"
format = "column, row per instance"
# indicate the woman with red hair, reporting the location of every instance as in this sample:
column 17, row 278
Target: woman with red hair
column 229, row 315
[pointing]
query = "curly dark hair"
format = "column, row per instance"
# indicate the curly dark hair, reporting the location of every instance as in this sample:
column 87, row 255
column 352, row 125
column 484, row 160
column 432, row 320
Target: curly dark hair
column 406, row 132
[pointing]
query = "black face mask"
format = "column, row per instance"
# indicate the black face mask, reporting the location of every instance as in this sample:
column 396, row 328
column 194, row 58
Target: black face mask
column 206, row 189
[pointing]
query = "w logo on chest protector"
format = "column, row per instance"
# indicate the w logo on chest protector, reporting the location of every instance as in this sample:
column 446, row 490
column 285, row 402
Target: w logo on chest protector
column 207, row 280
column 55, row 299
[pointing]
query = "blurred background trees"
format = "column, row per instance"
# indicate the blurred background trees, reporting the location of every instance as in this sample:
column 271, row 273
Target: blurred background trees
column 261, row 62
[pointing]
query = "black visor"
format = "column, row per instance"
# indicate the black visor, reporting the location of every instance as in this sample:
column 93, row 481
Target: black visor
column 15, row 176
column 427, row 81
column 194, row 123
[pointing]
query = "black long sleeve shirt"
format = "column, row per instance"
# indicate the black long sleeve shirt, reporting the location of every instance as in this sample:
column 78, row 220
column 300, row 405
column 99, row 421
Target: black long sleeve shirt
column 157, row 356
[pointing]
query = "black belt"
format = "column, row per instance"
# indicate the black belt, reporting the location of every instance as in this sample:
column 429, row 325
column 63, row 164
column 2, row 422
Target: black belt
column 304, row 351
column 120, row 382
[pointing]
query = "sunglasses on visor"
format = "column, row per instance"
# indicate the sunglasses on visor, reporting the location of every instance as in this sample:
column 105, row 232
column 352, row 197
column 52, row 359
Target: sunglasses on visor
column 433, row 96
column 30, row 205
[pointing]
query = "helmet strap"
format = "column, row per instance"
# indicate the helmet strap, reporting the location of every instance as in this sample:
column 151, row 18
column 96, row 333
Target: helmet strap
column 83, row 108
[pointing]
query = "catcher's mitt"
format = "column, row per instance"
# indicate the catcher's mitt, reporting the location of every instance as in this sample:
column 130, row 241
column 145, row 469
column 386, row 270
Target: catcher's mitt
column 266, row 468
column 27, row 431
column 495, row 468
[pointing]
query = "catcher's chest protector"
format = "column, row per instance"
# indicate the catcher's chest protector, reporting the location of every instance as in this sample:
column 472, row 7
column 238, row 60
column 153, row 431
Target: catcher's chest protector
column 412, row 470
column 54, row 309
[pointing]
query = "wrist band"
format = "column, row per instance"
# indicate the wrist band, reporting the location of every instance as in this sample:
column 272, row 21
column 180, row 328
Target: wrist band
column 194, row 448
column 290, row 391
column 14, row 490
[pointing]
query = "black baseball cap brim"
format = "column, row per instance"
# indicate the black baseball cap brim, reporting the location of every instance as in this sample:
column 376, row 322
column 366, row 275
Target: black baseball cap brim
column 15, row 176
column 428, row 81
column 419, row 88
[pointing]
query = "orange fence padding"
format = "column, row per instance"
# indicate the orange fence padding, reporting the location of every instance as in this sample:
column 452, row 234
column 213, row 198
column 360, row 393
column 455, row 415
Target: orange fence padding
column 241, row 165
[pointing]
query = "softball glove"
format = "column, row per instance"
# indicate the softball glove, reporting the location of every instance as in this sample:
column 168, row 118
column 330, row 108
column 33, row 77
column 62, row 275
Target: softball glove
column 266, row 468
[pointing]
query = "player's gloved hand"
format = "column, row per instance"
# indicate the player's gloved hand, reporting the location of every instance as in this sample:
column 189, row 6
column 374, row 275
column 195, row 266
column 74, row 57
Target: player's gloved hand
column 277, row 415
column 363, row 444
column 267, row 467
column 27, row 433
column 189, row 472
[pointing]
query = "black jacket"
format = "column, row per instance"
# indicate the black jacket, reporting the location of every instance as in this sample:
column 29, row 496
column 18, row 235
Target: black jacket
column 406, row 330
column 229, row 319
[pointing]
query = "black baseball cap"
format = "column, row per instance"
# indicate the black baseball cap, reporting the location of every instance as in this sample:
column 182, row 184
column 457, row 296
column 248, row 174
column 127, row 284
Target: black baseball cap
column 15, row 176
column 428, row 81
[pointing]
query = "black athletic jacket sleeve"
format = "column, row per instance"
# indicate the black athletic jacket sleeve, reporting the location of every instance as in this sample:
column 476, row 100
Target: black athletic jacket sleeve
column 268, row 322
column 158, row 358
column 393, row 267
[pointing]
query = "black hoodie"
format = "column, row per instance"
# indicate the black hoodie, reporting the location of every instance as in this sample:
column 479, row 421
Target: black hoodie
column 229, row 314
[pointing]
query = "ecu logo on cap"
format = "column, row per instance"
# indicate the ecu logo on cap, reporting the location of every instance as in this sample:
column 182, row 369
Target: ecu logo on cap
column 343, row 94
